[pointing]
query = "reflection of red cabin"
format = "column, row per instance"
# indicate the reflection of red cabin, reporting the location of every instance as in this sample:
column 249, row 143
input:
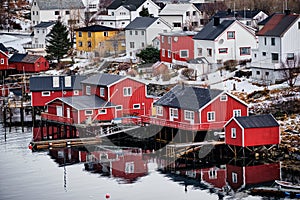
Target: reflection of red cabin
column 28, row 63
column 195, row 108
column 214, row 176
column 3, row 57
column 240, row 177
column 46, row 88
column 252, row 131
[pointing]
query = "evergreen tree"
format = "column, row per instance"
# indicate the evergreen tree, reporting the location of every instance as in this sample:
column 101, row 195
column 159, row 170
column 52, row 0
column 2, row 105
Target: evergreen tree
column 149, row 55
column 58, row 41
column 144, row 12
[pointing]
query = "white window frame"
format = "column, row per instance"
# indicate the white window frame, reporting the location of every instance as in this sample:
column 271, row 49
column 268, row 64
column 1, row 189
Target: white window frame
column 169, row 53
column 233, row 133
column 175, row 113
column 223, row 97
column 102, row 92
column 212, row 174
column 213, row 116
column 189, row 115
column 237, row 113
column 187, row 53
column 87, row 114
column 46, row 94
column 75, row 92
column 102, row 113
column 234, row 177
column 159, row 111
column 162, row 39
column 88, row 90
column 138, row 106
column 127, row 91
column 129, row 167
column 2, row 61
column 163, row 53
column 55, row 81
column 68, row 81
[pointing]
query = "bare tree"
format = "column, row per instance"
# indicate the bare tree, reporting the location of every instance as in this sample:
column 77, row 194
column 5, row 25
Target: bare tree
column 291, row 69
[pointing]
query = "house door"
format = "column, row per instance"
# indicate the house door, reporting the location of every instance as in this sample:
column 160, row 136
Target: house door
column 173, row 114
column 59, row 111
column 68, row 113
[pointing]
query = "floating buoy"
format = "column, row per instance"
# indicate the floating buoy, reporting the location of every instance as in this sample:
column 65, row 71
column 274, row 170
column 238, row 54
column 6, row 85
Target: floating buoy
column 30, row 147
column 107, row 196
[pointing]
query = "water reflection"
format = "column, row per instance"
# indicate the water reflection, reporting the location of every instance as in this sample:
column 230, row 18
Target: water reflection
column 127, row 165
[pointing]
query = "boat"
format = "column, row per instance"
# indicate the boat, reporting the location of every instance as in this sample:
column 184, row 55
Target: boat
column 287, row 184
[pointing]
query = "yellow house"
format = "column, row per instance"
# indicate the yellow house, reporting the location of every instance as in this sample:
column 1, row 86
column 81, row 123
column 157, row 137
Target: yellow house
column 97, row 40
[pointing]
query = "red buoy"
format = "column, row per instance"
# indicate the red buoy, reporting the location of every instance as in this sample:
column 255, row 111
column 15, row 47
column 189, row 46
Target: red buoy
column 30, row 147
column 107, row 196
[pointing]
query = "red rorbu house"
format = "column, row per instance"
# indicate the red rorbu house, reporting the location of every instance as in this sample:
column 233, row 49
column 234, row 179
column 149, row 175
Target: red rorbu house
column 3, row 58
column 249, row 131
column 196, row 108
column 28, row 63
column 241, row 177
column 47, row 88
column 128, row 94
column 177, row 46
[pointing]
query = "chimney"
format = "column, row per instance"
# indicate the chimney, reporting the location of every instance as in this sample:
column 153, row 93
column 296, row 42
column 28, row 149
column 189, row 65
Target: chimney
column 216, row 21
column 228, row 11
column 287, row 12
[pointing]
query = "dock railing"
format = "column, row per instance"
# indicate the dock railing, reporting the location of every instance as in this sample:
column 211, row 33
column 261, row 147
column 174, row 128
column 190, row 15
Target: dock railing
column 56, row 118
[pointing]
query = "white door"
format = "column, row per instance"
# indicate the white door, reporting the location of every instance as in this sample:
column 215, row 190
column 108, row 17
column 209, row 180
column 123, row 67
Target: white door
column 173, row 114
column 68, row 113
column 59, row 111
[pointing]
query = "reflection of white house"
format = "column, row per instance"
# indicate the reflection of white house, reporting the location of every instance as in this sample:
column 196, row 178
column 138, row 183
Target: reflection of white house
column 278, row 41
column 51, row 10
column 141, row 31
column 121, row 12
column 224, row 40
column 181, row 16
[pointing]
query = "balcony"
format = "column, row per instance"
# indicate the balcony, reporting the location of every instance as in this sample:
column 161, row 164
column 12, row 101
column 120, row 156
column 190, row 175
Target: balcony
column 55, row 118
column 184, row 125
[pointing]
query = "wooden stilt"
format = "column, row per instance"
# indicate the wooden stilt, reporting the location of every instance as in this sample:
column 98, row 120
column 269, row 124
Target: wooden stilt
column 10, row 119
column 22, row 115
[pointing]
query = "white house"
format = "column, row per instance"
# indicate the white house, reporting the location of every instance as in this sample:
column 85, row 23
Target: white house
column 40, row 32
column 219, row 41
column 182, row 16
column 278, row 41
column 141, row 31
column 121, row 12
column 91, row 6
column 50, row 10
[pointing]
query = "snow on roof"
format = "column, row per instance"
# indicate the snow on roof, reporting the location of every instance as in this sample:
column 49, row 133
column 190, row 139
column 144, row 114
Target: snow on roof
column 175, row 9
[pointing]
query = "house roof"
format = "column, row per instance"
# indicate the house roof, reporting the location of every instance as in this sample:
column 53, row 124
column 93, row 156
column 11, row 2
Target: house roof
column 141, row 23
column 44, row 24
column 17, row 57
column 45, row 83
column 211, row 32
column 175, row 9
column 59, row 4
column 249, row 14
column 188, row 97
column 129, row 4
column 3, row 48
column 30, row 58
column 102, row 79
column 96, row 28
column 180, row 33
column 278, row 24
column 85, row 102
column 257, row 121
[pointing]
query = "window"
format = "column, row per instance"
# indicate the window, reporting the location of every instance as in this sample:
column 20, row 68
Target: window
column 88, row 112
column 112, row 13
column 265, row 39
column 274, row 57
column 80, row 44
column 233, row 132
column 169, row 54
column 257, row 72
column 184, row 53
column 102, row 111
column 127, row 91
column 290, row 56
column 75, row 92
column 194, row 13
column 176, row 24
column 174, row 112
column 129, row 167
column 2, row 61
column 143, row 44
column 187, row 13
column 136, row 106
column 298, row 25
column 130, row 32
column 211, row 116
column 159, row 110
column 102, row 92
column 212, row 174
column 209, row 52
column 67, row 81
column 88, row 90
column 119, row 107
column 79, row 34
column 230, row 35
column 67, row 12
column 194, row 24
column 273, row 41
column 163, row 52
column 89, row 44
column 234, row 177
column 237, row 113
column 56, row 12
column 199, row 51
column 89, row 34
column 267, row 73
column 188, row 115
column 131, row 45
column 136, row 32
column 143, row 32
column 46, row 93
column 245, row 51
column 105, row 34
column 223, row 50
column 162, row 39
column 55, row 81
column 223, row 97
column 264, row 53
column 169, row 40
column 33, row 13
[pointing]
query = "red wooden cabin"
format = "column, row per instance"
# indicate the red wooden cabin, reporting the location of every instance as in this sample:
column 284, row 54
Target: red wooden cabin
column 256, row 130
column 196, row 108
column 239, row 177
column 177, row 46
column 3, row 58
column 128, row 94
column 28, row 63
column 47, row 88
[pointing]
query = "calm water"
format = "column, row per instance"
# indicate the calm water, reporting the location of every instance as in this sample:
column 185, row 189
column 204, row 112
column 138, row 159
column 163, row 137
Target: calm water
column 39, row 175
